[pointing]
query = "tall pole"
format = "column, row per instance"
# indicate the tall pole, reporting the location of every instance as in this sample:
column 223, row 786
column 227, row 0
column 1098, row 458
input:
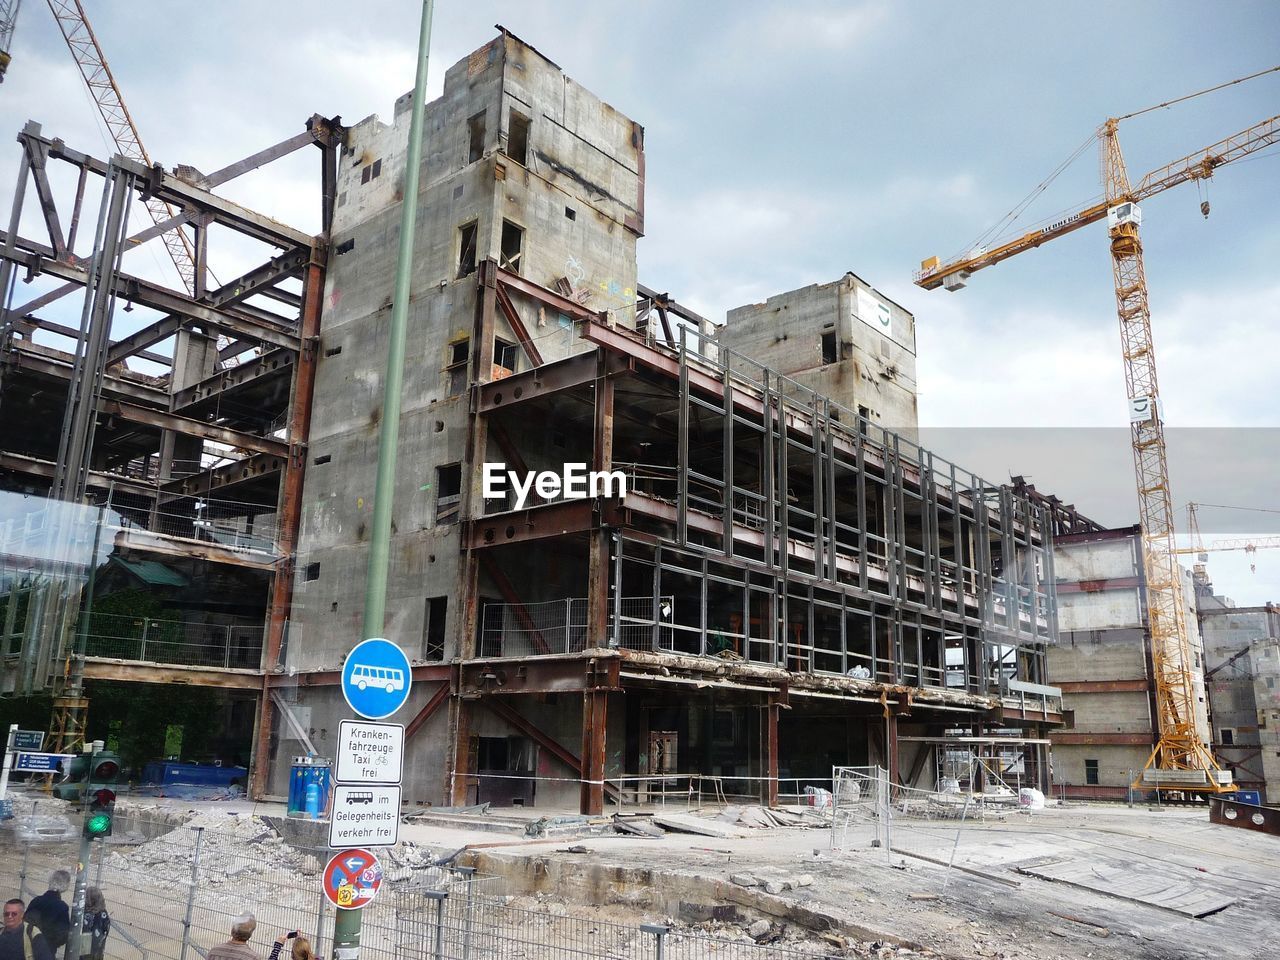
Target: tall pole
column 346, row 925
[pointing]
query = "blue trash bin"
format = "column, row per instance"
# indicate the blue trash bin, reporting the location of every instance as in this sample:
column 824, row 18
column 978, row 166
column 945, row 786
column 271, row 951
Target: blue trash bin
column 306, row 772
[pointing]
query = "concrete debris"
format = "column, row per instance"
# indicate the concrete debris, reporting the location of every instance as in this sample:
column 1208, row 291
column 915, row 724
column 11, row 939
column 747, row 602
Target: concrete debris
column 758, row 930
column 744, row 880
column 697, row 825
column 773, row 887
column 638, row 827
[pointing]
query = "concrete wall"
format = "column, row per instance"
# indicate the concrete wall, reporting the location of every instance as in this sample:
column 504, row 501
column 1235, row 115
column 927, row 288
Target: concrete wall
column 875, row 365
column 578, row 197
column 1265, row 664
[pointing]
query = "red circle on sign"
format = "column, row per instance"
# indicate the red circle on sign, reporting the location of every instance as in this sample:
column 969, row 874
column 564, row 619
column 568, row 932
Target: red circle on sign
column 352, row 879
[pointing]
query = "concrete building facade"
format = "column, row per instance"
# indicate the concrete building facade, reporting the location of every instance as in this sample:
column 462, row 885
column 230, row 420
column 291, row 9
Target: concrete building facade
column 844, row 339
column 1102, row 663
column 779, row 589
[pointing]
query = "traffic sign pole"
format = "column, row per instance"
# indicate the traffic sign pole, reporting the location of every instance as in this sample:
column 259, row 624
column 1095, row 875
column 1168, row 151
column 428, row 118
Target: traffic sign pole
column 8, row 760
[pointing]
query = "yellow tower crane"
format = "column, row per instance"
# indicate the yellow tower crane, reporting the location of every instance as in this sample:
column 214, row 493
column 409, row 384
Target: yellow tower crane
column 1180, row 760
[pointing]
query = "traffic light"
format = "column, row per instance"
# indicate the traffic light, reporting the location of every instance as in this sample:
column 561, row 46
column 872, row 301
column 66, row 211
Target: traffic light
column 101, row 812
column 104, row 768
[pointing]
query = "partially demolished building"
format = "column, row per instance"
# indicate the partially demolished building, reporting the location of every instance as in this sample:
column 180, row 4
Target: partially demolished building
column 785, row 585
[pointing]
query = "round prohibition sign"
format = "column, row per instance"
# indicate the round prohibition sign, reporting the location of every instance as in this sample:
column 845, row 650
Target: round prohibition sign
column 352, row 878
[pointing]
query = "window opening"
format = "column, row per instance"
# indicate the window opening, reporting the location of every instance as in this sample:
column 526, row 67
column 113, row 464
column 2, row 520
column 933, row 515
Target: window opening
column 433, row 628
column 518, row 137
column 512, row 238
column 475, row 128
column 829, row 354
column 448, row 492
column 457, row 366
column 1091, row 772
column 505, row 355
column 466, row 250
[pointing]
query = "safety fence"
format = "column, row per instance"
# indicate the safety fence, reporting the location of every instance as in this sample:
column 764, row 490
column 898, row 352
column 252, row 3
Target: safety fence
column 186, row 642
column 868, row 811
column 467, row 924
column 173, row 891
column 560, row 626
column 243, row 527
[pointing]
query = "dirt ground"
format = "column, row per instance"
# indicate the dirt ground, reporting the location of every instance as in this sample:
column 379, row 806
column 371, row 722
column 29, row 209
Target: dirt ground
column 802, row 884
column 994, row 911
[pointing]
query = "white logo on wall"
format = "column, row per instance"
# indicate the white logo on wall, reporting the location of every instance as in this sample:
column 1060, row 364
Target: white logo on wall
column 873, row 311
column 575, row 482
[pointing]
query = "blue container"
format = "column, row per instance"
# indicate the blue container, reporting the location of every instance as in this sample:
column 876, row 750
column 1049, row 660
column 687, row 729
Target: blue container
column 197, row 774
column 315, row 772
column 1247, row 796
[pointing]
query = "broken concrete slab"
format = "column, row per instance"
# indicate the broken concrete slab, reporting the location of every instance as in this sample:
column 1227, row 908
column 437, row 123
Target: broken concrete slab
column 682, row 823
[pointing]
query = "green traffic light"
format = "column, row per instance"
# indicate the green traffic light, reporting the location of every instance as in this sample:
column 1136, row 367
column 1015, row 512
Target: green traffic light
column 98, row 823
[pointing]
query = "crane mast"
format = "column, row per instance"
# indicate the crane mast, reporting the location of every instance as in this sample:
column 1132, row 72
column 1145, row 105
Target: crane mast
column 1179, row 746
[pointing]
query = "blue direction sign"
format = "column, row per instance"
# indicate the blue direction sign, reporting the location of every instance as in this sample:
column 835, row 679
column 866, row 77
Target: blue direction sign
column 376, row 678
column 41, row 762
column 28, row 739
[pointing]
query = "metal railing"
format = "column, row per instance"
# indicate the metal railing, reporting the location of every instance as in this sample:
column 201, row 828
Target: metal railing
column 233, row 525
column 560, row 626
column 183, row 642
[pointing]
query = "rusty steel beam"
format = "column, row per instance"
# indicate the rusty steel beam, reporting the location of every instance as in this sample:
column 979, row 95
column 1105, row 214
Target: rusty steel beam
column 216, row 478
column 539, row 675
column 438, row 699
column 290, row 508
column 148, row 336
column 1076, row 739
column 1140, row 685
column 535, row 523
column 518, row 328
column 27, row 356
column 175, row 191
column 34, row 467
column 421, row 673
column 570, row 308
column 1247, row 816
column 192, row 428
column 29, row 324
column 260, row 279
column 595, row 718
column 275, row 363
column 528, row 385
column 98, row 668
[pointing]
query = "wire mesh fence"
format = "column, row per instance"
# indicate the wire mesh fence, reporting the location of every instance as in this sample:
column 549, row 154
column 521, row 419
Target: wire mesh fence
column 174, row 885
column 173, row 641
column 869, row 811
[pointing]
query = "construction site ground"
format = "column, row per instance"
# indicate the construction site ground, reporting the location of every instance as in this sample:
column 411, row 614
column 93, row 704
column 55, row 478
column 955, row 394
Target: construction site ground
column 903, row 903
column 1127, row 882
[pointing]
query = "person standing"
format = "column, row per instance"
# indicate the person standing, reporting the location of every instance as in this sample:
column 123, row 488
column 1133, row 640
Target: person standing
column 97, row 924
column 19, row 940
column 237, row 948
column 301, row 949
column 49, row 913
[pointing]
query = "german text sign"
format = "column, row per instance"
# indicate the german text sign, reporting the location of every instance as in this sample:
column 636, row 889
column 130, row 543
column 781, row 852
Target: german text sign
column 364, row 816
column 41, row 762
column 370, row 752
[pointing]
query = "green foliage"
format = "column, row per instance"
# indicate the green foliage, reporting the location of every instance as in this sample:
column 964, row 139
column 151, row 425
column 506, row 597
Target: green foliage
column 137, row 717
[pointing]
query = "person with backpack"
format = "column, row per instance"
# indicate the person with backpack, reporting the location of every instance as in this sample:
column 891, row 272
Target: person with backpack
column 96, row 926
column 50, row 914
column 19, row 940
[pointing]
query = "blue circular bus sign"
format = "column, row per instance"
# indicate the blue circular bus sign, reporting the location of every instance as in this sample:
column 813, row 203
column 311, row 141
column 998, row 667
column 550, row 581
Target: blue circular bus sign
column 376, row 678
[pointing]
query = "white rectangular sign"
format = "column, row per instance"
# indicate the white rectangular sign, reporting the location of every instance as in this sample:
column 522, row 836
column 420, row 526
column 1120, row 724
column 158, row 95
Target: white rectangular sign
column 364, row 816
column 370, row 752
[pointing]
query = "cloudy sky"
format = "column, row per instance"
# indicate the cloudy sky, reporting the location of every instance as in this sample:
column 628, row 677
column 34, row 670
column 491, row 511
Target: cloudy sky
column 788, row 143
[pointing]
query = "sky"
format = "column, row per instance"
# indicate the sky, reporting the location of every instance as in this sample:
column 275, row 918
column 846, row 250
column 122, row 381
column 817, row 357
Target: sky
column 789, row 143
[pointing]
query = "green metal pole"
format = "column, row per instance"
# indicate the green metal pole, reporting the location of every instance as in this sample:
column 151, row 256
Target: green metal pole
column 346, row 925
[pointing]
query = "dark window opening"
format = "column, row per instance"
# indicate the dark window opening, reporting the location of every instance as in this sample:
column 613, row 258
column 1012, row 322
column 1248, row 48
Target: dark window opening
column 377, row 169
column 333, row 351
column 433, row 628
column 512, row 238
column 829, row 354
column 322, row 459
column 1091, row 772
column 346, row 246
column 311, row 572
column 364, row 174
column 466, row 250
column 505, row 354
column 571, row 213
column 1068, row 719
column 475, row 127
column 518, row 137
column 457, row 366
column 448, row 492
column 1228, row 736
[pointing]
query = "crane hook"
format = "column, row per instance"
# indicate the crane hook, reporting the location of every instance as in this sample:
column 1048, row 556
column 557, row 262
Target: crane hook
column 1204, row 208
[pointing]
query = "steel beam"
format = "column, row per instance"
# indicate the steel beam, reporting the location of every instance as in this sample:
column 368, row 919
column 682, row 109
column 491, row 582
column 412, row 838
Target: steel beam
column 193, row 428
column 274, row 364
column 438, row 699
column 217, row 478
column 518, row 328
column 527, row 385
column 509, row 594
column 595, row 721
column 291, row 263
column 148, row 336
column 27, row 356
column 570, row 308
column 539, row 675
column 96, row 668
